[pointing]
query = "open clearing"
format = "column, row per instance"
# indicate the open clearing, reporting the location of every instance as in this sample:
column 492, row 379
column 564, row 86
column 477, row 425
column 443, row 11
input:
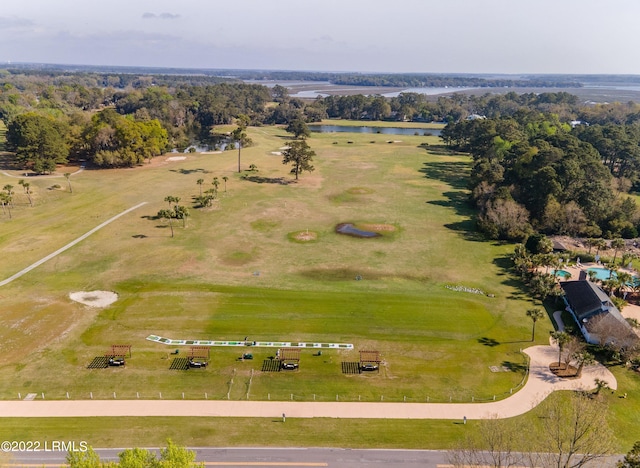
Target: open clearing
column 238, row 270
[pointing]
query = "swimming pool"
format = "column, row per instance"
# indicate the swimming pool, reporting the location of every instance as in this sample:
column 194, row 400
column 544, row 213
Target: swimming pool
column 603, row 274
column 562, row 273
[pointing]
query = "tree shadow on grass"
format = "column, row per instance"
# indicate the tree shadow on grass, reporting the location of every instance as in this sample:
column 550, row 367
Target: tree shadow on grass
column 454, row 173
column 440, row 150
column 514, row 366
column 8, row 162
column 491, row 342
column 510, row 279
column 467, row 229
column 269, row 180
column 189, row 171
column 456, row 200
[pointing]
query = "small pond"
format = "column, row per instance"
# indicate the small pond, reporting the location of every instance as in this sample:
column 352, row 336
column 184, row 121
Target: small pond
column 349, row 229
column 318, row 128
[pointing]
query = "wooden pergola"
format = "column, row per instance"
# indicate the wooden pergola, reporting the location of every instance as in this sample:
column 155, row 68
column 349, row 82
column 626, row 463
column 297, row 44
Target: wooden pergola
column 288, row 354
column 199, row 352
column 119, row 351
column 369, row 357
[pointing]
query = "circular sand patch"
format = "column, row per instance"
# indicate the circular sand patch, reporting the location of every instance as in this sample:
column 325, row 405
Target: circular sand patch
column 303, row 236
column 94, row 298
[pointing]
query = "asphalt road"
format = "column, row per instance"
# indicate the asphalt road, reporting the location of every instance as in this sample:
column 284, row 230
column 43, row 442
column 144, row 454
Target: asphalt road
column 265, row 457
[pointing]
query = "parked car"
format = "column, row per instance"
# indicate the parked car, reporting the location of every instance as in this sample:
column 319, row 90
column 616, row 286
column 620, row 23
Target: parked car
column 247, row 356
column 197, row 364
column 369, row 367
column 289, row 365
column 116, row 361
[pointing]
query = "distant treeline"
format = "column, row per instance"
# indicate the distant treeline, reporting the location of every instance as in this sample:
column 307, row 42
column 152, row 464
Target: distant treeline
column 411, row 80
column 121, row 77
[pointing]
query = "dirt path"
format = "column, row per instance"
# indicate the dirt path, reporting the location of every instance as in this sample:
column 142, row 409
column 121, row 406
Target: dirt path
column 540, row 384
column 68, row 246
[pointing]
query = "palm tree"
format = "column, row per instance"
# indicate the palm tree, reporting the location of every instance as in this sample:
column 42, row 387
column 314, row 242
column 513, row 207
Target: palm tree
column 592, row 275
column 167, row 214
column 561, row 338
column 200, row 182
column 238, row 136
column 534, row 315
column 171, row 199
column 616, row 244
column 583, row 358
column 610, row 285
column 9, row 189
column 627, row 257
column 590, row 242
column 624, row 280
column 600, row 244
column 4, row 201
column 27, row 190
column 225, row 178
column 181, row 212
column 67, row 176
column 215, row 183
column 600, row 385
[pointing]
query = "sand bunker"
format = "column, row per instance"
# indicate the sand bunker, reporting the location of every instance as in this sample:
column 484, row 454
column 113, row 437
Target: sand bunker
column 94, row 298
column 306, row 236
column 177, row 158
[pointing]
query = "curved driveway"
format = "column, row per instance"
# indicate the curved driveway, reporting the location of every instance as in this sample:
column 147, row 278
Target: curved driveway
column 540, row 384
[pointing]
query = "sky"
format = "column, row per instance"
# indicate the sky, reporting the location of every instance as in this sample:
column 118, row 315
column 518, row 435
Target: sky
column 395, row 36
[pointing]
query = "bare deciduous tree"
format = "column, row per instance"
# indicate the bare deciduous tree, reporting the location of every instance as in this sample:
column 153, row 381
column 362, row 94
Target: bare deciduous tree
column 574, row 433
column 494, row 444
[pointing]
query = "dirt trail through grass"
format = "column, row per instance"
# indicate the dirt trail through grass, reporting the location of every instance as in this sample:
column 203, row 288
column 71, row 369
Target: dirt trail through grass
column 68, row 246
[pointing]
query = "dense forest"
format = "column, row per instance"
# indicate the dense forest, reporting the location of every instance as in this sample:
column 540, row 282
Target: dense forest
column 542, row 162
column 534, row 172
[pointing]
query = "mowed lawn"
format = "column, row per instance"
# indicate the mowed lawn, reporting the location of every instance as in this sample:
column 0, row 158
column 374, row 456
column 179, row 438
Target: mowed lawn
column 234, row 271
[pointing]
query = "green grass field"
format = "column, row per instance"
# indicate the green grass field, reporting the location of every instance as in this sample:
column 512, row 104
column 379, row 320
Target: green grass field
column 235, row 271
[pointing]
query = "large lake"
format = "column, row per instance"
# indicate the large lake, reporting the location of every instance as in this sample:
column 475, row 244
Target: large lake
column 318, row 128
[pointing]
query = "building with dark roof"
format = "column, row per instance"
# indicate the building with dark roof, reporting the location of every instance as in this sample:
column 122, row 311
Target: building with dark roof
column 599, row 320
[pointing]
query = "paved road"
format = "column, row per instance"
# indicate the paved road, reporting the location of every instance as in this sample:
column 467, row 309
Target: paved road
column 68, row 246
column 274, row 457
column 283, row 457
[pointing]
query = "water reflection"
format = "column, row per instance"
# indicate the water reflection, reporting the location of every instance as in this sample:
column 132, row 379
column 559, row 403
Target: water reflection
column 382, row 130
